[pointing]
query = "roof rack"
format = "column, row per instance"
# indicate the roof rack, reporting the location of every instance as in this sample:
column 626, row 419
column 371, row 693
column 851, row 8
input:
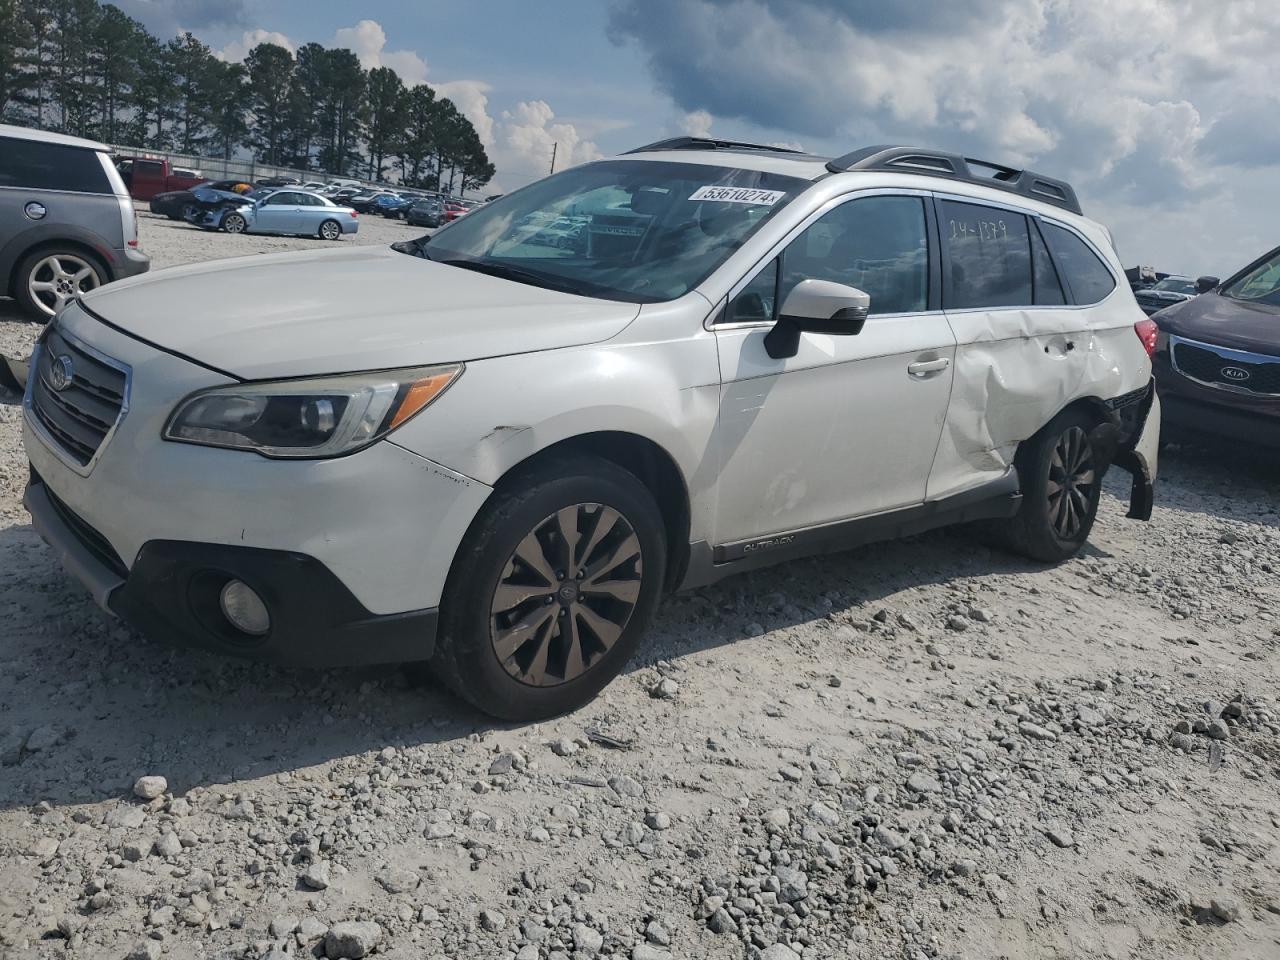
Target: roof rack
column 934, row 163
column 706, row 143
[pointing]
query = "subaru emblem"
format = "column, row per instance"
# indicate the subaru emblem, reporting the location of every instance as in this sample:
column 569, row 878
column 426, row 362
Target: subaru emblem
column 62, row 371
column 1235, row 374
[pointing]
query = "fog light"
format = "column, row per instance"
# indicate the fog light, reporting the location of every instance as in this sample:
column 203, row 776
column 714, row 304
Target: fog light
column 244, row 609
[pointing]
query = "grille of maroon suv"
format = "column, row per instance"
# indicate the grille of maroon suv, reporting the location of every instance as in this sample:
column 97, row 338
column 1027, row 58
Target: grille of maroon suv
column 1201, row 363
column 80, row 414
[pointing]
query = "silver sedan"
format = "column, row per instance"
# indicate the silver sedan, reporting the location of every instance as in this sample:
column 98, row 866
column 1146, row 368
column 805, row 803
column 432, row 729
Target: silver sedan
column 291, row 211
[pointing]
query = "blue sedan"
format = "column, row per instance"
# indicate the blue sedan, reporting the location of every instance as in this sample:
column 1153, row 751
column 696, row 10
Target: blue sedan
column 284, row 211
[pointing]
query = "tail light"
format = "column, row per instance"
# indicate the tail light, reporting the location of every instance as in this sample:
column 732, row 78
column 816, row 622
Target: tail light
column 1147, row 332
column 354, row 215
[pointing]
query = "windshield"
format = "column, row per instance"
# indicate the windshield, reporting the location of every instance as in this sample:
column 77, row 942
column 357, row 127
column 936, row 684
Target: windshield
column 640, row 231
column 1175, row 285
column 1261, row 284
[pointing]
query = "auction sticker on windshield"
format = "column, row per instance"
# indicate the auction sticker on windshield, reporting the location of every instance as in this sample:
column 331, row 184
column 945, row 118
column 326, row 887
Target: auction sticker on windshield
column 765, row 198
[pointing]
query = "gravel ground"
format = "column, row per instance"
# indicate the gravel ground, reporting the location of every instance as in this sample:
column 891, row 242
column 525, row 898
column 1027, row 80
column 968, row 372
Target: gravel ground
column 923, row 749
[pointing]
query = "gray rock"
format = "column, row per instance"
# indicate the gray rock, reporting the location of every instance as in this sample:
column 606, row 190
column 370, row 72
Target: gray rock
column 888, row 839
column 647, row 951
column 502, row 764
column 779, row 951
column 168, row 845
column 658, row 821
column 281, row 927
column 125, row 816
column 920, row 782
column 316, row 876
column 586, row 940
column 793, row 884
column 1035, row 731
column 1227, row 910
column 664, row 689
column 625, row 786
column 777, row 818
column 42, row 738
column 981, row 614
column 310, row 930
column 398, row 881
column 721, row 922
column 1089, row 717
column 352, row 940
column 655, row 932
column 146, row 950
column 819, row 812
column 1218, row 730
column 1059, row 835
column 965, row 868
column 148, row 788
column 493, row 920
column 564, row 747
column 958, row 624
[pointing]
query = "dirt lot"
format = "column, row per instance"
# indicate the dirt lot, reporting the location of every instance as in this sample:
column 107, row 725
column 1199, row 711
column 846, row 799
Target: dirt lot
column 924, row 749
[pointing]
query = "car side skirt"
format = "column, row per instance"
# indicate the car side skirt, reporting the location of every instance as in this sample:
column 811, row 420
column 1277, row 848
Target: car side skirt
column 995, row 499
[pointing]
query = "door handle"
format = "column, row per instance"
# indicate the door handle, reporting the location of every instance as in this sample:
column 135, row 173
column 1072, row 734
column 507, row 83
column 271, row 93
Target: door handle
column 922, row 368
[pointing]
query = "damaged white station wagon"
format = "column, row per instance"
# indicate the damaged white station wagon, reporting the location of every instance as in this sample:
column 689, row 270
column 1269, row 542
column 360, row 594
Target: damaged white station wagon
column 495, row 448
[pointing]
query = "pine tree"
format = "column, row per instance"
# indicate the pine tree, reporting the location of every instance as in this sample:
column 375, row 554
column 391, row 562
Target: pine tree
column 270, row 86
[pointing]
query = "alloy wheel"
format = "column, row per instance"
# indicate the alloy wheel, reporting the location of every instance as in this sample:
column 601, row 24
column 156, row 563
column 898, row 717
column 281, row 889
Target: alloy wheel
column 329, row 230
column 566, row 594
column 58, row 278
column 1073, row 476
column 234, row 223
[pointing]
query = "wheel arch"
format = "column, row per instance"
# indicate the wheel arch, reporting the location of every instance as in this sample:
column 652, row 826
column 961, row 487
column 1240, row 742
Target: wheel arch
column 644, row 459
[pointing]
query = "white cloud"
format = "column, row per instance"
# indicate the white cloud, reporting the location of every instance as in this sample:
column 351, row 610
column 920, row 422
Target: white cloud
column 368, row 41
column 696, row 123
column 471, row 97
column 237, row 50
column 1119, row 96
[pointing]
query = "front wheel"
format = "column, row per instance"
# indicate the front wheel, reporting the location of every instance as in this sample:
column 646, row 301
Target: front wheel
column 330, row 230
column 47, row 279
column 551, row 590
column 233, row 223
column 1061, row 475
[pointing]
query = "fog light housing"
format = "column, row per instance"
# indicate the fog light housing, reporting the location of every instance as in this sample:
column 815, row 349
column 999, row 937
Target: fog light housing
column 244, row 609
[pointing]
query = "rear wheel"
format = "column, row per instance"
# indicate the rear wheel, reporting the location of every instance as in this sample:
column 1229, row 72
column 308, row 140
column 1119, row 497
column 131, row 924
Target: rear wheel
column 330, row 230
column 552, row 590
column 233, row 223
column 1061, row 477
column 46, row 279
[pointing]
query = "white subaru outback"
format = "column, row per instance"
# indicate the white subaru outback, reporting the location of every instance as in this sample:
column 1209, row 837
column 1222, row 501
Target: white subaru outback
column 495, row 448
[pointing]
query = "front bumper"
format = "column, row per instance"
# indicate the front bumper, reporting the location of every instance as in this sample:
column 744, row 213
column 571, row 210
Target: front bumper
column 378, row 529
column 171, row 595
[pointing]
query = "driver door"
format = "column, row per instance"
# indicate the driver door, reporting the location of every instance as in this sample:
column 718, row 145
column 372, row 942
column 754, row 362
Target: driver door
column 278, row 213
column 849, row 426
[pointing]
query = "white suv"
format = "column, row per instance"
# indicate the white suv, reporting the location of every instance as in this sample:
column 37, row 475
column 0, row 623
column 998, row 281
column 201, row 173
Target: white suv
column 494, row 449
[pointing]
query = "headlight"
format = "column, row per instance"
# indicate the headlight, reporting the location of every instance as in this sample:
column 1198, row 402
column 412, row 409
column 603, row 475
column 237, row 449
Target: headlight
column 320, row 417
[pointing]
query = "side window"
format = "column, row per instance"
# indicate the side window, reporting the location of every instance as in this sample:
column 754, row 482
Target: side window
column 989, row 255
column 1087, row 277
column 50, row 166
column 149, row 168
column 755, row 302
column 877, row 244
column 1048, row 290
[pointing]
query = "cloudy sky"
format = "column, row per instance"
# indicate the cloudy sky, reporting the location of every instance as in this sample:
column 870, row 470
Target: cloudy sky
column 1165, row 114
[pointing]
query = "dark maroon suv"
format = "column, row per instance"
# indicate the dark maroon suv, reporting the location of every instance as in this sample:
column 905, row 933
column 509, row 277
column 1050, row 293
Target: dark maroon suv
column 1217, row 362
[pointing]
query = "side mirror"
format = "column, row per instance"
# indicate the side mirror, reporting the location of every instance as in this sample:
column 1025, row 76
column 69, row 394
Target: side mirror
column 1205, row 284
column 817, row 306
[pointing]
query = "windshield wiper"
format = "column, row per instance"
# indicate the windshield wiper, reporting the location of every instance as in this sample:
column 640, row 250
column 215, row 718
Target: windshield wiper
column 508, row 272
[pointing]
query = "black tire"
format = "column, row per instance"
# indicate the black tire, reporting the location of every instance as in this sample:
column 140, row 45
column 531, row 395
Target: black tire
column 466, row 658
column 330, row 230
column 1059, row 493
column 233, row 223
column 75, row 260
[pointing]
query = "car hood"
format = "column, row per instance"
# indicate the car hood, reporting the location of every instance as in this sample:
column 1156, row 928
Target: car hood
column 368, row 308
column 1213, row 318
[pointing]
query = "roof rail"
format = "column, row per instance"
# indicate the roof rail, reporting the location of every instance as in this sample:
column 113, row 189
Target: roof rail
column 935, row 163
column 706, row 143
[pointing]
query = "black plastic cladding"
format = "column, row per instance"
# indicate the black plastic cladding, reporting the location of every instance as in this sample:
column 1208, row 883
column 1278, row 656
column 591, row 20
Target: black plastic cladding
column 934, row 163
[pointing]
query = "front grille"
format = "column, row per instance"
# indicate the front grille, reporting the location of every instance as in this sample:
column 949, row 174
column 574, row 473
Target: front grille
column 90, row 538
column 1257, row 374
column 80, row 415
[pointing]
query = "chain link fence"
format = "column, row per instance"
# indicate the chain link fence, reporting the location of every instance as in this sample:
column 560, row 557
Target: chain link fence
column 218, row 168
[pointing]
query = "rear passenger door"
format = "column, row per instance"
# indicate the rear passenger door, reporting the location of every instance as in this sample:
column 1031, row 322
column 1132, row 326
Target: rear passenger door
column 1022, row 347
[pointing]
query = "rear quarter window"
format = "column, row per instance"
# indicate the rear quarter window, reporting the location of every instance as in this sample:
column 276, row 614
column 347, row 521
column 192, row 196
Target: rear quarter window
column 988, row 253
column 35, row 165
column 1086, row 276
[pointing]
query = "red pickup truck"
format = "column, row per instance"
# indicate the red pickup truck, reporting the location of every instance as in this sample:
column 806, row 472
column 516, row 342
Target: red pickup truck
column 146, row 176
